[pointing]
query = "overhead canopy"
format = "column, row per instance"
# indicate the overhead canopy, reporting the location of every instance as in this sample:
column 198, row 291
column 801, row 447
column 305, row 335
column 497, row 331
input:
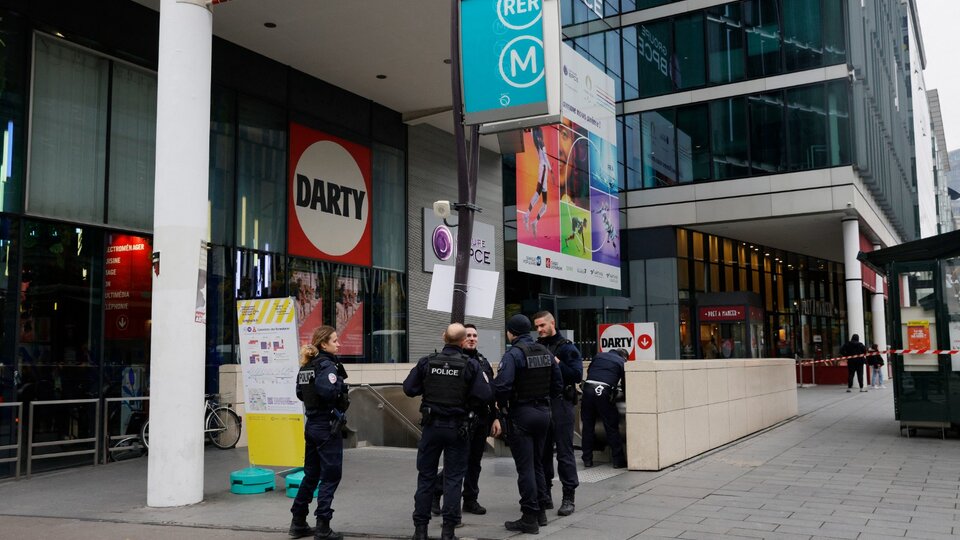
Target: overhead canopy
column 935, row 247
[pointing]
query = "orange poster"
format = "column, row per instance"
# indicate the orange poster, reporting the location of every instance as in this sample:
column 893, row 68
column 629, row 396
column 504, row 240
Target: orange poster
column 918, row 335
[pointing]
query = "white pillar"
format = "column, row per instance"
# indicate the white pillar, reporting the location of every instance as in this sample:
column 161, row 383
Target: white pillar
column 175, row 467
column 876, row 307
column 851, row 266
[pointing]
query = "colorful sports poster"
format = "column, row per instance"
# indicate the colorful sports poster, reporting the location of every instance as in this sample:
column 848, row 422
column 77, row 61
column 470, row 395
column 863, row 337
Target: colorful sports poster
column 305, row 288
column 269, row 355
column 568, row 205
column 349, row 321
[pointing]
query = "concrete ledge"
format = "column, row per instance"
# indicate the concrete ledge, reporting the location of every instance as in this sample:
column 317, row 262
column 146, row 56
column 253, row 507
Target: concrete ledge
column 677, row 409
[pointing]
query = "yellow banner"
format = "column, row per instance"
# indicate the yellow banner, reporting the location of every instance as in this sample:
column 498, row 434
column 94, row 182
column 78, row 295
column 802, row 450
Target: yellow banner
column 275, row 439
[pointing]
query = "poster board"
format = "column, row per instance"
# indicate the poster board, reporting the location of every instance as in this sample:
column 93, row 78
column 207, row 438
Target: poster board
column 269, row 351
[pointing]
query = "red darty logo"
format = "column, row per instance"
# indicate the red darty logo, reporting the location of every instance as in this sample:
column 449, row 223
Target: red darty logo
column 616, row 337
column 330, row 198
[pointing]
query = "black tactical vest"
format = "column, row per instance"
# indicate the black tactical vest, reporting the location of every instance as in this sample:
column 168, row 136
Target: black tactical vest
column 556, row 345
column 534, row 381
column 307, row 390
column 446, row 380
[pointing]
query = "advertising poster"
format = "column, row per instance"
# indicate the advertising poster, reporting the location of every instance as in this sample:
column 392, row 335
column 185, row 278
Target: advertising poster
column 568, row 208
column 269, row 355
column 349, row 323
column 918, row 335
column 309, row 304
column 127, row 285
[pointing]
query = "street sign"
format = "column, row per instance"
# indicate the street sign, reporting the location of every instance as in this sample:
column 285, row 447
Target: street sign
column 639, row 339
column 510, row 59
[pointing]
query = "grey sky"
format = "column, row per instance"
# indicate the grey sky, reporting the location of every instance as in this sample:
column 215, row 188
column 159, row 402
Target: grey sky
column 941, row 39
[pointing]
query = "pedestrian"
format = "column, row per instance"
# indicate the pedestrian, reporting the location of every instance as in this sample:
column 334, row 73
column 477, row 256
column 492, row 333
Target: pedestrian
column 561, row 426
column 323, row 391
column 487, row 426
column 452, row 385
column 604, row 376
column 527, row 377
column 875, row 361
column 854, row 365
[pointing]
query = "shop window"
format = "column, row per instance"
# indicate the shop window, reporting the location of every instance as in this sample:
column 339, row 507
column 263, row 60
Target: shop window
column 682, row 249
column 696, row 239
column 728, row 133
column 715, row 278
column 223, row 146
column 762, row 28
column 700, row 276
column 388, row 336
column 689, row 56
column 127, row 291
column 389, row 208
column 767, row 146
column 656, row 68
column 310, row 286
column 725, row 44
column 659, row 148
column 68, row 141
column 261, row 176
column 13, row 101
column 839, row 122
column 221, row 345
column 10, row 386
column 693, row 143
column 802, row 39
column 728, row 251
column 133, row 144
column 729, row 272
column 807, row 126
column 350, row 296
column 258, row 274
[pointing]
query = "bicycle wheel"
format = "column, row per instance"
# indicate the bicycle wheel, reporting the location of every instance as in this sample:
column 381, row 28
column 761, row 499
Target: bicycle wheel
column 127, row 448
column 223, row 427
column 145, row 434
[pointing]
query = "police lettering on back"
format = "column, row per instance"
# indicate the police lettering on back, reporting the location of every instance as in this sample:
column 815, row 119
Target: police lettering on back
column 445, row 370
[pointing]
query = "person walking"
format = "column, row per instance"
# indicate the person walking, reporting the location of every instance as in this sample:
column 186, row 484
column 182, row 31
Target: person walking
column 321, row 388
column 604, row 376
column 562, row 406
column 875, row 362
column 527, row 377
column 854, row 365
column 452, row 385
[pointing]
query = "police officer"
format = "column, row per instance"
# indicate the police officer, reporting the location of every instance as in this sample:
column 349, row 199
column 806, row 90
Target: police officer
column 527, row 377
column 452, row 386
column 486, row 426
column 321, row 387
column 561, row 427
column 604, row 375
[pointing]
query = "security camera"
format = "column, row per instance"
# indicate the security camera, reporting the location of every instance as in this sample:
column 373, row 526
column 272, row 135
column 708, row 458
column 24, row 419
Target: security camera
column 441, row 209
column 849, row 205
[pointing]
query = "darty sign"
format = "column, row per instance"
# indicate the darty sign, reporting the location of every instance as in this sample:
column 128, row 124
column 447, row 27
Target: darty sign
column 330, row 197
column 639, row 339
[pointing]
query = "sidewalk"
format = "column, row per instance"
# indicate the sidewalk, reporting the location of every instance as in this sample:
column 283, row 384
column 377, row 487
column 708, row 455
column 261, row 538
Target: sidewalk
column 839, row 470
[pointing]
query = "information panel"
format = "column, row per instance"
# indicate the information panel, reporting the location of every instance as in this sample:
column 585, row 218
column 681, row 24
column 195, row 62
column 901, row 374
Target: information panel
column 568, row 207
column 269, row 355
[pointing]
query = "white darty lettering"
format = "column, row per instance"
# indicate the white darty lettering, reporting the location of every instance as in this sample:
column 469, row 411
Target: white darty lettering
column 329, row 197
column 445, row 371
column 653, row 50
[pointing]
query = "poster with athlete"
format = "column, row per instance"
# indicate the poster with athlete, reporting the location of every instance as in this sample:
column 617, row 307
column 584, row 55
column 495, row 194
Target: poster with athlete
column 568, row 205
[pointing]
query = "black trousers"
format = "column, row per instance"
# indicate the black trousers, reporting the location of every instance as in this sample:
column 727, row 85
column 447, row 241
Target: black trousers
column 471, row 480
column 323, row 464
column 440, row 436
column 528, row 432
column 854, row 366
column 599, row 405
column 560, row 436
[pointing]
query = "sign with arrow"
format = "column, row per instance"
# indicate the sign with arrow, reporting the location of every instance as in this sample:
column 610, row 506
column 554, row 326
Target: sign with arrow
column 639, row 339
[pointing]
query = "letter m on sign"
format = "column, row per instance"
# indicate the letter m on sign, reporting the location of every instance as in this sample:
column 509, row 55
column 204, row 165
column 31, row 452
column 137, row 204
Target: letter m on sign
column 529, row 60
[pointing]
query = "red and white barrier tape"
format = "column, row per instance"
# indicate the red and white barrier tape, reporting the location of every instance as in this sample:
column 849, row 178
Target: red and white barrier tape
column 888, row 351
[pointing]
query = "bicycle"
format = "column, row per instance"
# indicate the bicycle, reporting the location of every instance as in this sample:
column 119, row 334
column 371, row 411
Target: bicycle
column 222, row 425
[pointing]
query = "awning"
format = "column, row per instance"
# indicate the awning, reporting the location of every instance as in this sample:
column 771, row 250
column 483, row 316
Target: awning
column 941, row 246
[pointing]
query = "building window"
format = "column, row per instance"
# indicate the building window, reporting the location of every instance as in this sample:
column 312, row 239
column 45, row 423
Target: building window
column 13, row 101
column 725, row 43
column 839, row 122
column 656, row 73
column 802, row 34
column 261, row 176
column 133, row 145
column 689, row 55
column 388, row 327
column 728, row 128
column 767, row 136
column 659, row 148
column 762, row 27
column 223, row 145
column 389, row 208
column 693, row 143
column 807, row 126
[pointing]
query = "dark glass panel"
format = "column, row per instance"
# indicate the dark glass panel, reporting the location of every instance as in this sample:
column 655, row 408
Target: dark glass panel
column 689, row 59
column 762, row 27
column 807, row 126
column 725, row 43
column 728, row 129
column 767, row 135
column 693, row 143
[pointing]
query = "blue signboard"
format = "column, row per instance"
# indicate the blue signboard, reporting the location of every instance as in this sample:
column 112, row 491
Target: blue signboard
column 502, row 58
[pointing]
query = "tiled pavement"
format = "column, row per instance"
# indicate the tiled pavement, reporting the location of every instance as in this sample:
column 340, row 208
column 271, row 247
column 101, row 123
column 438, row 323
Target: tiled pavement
column 840, row 470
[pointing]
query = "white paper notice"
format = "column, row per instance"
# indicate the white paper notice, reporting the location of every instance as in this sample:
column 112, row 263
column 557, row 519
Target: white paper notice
column 481, row 291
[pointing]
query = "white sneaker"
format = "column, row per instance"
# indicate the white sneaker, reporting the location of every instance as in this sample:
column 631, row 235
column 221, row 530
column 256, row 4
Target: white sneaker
column 526, row 221
column 863, row 389
column 883, row 386
column 533, row 228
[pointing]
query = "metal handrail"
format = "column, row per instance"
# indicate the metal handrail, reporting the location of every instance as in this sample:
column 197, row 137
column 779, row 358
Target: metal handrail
column 95, row 440
column 107, row 438
column 16, row 447
column 395, row 411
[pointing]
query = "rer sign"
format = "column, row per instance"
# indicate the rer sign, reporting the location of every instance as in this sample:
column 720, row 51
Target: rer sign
column 639, row 339
column 502, row 58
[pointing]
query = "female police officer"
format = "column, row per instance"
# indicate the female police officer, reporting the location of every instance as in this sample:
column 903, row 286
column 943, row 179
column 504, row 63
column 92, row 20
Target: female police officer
column 321, row 387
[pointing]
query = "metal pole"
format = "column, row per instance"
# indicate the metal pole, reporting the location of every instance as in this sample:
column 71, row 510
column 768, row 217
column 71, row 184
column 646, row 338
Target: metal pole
column 466, row 175
column 30, row 442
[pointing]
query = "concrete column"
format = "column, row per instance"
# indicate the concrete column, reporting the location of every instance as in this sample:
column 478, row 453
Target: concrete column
column 854, row 288
column 876, row 307
column 175, row 466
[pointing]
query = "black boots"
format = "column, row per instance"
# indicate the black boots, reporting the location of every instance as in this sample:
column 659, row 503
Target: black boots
column 587, row 462
column 474, row 507
column 620, row 464
column 542, row 518
column 299, row 527
column 420, row 532
column 435, row 505
column 547, row 504
column 324, row 532
column 566, row 506
column 447, row 531
column 526, row 524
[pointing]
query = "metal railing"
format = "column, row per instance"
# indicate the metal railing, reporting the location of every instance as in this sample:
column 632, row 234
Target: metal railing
column 108, row 439
column 63, row 442
column 15, row 447
column 413, row 428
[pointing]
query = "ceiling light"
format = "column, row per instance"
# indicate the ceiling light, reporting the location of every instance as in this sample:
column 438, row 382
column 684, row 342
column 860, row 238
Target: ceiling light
column 270, row 24
column 58, row 34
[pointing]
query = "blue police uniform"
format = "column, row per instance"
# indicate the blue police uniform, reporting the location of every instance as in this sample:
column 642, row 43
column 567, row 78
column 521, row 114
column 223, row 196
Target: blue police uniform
column 321, row 387
column 452, row 385
column 561, row 427
column 528, row 419
column 605, row 374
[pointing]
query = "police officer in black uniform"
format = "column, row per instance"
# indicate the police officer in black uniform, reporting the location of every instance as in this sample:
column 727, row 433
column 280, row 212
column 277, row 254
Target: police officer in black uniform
column 604, row 376
column 561, row 427
column 527, row 377
column 321, row 387
column 452, row 385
